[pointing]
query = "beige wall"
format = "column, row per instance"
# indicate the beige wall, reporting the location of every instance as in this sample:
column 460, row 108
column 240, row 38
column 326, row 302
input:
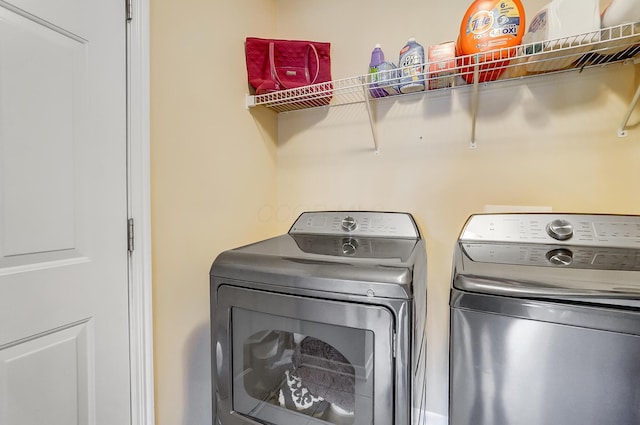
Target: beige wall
column 213, row 172
column 223, row 176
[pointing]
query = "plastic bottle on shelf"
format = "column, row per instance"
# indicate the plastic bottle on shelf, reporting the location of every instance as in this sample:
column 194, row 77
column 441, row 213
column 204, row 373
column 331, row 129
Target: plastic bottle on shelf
column 388, row 77
column 618, row 43
column 619, row 12
column 377, row 59
column 561, row 19
column 553, row 29
column 490, row 27
column 411, row 66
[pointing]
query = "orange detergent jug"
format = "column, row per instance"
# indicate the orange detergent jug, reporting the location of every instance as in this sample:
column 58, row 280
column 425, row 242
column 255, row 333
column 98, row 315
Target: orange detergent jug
column 490, row 27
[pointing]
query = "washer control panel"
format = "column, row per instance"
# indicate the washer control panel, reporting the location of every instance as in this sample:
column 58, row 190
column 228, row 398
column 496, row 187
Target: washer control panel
column 356, row 223
column 617, row 231
column 576, row 257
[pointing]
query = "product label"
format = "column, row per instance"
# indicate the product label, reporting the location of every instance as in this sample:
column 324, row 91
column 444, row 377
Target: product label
column 539, row 21
column 373, row 74
column 409, row 60
column 388, row 77
column 411, row 66
column 442, row 65
column 480, row 22
column 502, row 20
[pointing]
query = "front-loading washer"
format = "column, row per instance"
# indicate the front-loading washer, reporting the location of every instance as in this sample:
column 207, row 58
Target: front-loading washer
column 322, row 325
column 545, row 320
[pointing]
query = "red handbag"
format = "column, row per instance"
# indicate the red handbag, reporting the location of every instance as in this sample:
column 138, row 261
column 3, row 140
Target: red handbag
column 274, row 65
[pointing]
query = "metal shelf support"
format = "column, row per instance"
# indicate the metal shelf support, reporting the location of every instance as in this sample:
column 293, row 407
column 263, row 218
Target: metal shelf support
column 372, row 123
column 622, row 132
column 475, row 102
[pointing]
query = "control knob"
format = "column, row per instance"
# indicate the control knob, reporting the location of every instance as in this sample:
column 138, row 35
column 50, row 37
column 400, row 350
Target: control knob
column 349, row 247
column 560, row 257
column 349, row 224
column 560, row 229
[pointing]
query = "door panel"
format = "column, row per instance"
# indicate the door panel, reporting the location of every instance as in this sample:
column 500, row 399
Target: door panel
column 47, row 378
column 64, row 330
column 61, row 13
column 43, row 81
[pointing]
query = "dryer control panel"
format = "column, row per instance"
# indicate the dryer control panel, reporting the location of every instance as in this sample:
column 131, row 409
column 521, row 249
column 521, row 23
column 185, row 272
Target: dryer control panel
column 357, row 223
column 618, row 231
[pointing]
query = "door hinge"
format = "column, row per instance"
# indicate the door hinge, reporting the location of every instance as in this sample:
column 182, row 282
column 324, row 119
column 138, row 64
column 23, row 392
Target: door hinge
column 130, row 235
column 129, row 6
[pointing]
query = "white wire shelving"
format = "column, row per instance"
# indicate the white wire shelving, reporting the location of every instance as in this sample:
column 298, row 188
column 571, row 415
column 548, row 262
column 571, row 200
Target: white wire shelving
column 599, row 48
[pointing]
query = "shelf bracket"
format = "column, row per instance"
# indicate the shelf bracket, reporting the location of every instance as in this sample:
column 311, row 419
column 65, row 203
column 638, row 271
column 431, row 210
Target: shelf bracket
column 475, row 102
column 622, row 132
column 372, row 124
column 249, row 101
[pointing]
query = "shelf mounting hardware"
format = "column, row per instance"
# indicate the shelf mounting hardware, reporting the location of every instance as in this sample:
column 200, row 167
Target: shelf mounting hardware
column 475, row 102
column 372, row 124
column 622, row 132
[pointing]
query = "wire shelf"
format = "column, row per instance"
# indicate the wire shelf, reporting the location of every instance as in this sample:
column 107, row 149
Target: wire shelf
column 605, row 46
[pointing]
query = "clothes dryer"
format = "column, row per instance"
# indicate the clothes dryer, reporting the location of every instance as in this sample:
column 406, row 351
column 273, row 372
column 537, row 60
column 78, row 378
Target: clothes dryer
column 322, row 325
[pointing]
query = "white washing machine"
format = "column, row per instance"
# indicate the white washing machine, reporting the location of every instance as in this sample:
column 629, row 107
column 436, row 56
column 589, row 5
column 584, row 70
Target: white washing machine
column 322, row 325
column 545, row 320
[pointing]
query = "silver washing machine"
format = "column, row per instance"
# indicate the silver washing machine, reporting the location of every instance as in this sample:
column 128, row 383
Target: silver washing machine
column 322, row 325
column 545, row 320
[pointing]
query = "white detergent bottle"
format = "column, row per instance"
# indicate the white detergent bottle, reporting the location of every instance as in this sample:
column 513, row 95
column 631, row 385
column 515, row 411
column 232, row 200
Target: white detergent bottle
column 411, row 66
column 619, row 12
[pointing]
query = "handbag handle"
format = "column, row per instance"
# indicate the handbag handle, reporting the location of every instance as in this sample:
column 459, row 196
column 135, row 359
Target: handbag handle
column 274, row 72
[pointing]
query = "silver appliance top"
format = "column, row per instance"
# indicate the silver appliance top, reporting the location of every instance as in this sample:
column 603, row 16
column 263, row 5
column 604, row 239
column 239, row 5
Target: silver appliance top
column 616, row 231
column 356, row 223
column 357, row 253
column 577, row 257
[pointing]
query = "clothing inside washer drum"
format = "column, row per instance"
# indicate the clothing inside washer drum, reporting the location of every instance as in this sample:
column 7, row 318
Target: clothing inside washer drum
column 320, row 373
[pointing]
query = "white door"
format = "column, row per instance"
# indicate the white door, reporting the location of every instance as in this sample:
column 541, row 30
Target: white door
column 64, row 339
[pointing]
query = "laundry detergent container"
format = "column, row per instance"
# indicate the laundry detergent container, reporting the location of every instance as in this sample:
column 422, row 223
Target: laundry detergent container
column 560, row 33
column 488, row 34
